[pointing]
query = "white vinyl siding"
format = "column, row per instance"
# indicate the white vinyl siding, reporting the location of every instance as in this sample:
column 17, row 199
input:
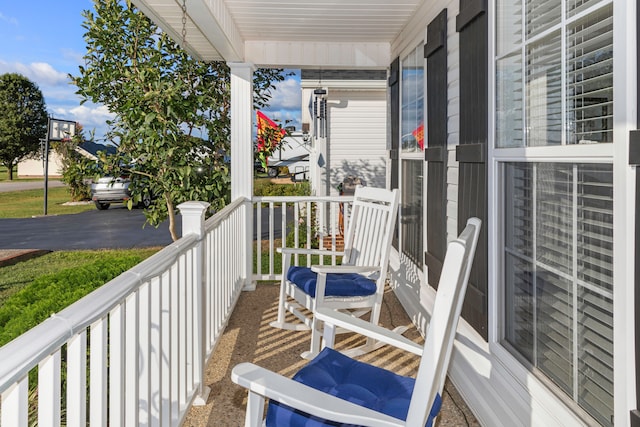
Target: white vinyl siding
column 357, row 143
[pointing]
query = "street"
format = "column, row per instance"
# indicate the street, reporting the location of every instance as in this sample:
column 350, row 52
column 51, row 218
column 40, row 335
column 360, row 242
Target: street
column 117, row 227
column 20, row 185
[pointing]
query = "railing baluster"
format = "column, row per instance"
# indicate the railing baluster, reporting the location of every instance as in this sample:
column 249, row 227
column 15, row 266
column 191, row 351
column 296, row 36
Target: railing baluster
column 271, row 237
column 131, row 360
column 48, row 391
column 15, row 404
column 296, row 228
column 175, row 361
column 155, row 356
column 144, row 344
column 259, row 238
column 98, row 374
column 77, row 380
column 116, row 365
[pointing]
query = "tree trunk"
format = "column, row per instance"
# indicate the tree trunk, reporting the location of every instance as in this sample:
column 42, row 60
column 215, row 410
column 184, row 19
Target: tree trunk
column 10, row 171
column 172, row 218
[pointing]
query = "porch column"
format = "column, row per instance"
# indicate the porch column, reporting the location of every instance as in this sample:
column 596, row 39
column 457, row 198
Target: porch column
column 242, row 154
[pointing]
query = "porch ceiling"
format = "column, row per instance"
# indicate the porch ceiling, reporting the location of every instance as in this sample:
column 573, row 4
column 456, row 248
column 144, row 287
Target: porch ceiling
column 287, row 33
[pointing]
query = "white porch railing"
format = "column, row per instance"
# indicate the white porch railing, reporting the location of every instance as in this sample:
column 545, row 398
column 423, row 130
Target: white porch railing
column 132, row 352
column 296, row 222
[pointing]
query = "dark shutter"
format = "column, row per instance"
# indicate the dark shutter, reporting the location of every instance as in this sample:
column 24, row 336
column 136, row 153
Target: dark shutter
column 394, row 154
column 471, row 153
column 435, row 153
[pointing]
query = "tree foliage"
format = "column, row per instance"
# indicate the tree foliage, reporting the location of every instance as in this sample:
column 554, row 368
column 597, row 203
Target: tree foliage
column 23, row 119
column 76, row 168
column 172, row 111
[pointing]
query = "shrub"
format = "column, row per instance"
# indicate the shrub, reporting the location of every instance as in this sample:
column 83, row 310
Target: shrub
column 51, row 293
column 267, row 188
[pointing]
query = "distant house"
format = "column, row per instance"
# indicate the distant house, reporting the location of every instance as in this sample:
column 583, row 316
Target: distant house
column 35, row 167
column 347, row 120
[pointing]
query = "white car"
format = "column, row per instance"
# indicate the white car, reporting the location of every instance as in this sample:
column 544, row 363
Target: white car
column 108, row 189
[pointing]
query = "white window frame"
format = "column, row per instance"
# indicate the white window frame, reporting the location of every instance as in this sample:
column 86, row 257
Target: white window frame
column 413, row 155
column 625, row 110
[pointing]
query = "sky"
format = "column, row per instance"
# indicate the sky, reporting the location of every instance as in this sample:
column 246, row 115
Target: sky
column 43, row 40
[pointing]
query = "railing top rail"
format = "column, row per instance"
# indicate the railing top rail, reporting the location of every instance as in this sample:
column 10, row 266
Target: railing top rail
column 224, row 213
column 294, row 199
column 23, row 353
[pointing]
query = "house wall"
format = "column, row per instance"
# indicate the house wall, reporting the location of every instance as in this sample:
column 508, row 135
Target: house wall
column 498, row 387
column 356, row 142
column 34, row 167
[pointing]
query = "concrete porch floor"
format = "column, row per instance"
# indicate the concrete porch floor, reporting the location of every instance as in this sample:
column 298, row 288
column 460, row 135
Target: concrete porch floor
column 248, row 337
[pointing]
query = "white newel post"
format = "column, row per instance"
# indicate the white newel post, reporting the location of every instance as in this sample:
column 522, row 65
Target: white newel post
column 242, row 155
column 193, row 222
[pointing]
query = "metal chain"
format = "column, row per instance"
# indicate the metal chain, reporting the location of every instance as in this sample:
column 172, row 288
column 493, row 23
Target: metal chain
column 184, row 24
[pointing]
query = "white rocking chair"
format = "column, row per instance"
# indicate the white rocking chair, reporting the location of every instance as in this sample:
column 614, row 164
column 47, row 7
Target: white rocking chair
column 334, row 390
column 358, row 284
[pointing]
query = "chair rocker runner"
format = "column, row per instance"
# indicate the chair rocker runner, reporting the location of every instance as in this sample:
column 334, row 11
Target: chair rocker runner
column 334, row 389
column 358, row 284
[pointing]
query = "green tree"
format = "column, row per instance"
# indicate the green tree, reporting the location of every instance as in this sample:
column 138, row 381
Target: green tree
column 172, row 111
column 23, row 119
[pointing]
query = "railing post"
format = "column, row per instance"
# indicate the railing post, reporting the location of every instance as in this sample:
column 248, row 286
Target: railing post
column 193, row 222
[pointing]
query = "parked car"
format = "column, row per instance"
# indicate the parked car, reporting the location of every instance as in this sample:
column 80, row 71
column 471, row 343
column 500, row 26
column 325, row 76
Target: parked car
column 109, row 189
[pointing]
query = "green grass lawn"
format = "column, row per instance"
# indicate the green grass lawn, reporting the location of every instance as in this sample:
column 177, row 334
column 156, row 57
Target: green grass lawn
column 4, row 175
column 15, row 277
column 32, row 290
column 28, row 203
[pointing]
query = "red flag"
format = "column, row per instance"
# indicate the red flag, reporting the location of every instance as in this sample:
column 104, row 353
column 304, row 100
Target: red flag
column 267, row 126
column 418, row 134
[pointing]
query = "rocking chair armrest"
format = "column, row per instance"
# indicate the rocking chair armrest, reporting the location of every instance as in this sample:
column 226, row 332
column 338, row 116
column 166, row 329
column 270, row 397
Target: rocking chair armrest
column 304, row 251
column 362, row 327
column 326, row 269
column 289, row 392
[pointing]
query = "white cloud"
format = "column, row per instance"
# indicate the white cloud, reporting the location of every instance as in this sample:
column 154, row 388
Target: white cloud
column 41, row 73
column 73, row 55
column 9, row 19
column 287, row 95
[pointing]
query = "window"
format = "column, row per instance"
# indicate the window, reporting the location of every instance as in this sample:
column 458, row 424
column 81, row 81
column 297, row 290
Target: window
column 554, row 87
column 411, row 221
column 558, row 255
column 412, row 113
column 412, row 156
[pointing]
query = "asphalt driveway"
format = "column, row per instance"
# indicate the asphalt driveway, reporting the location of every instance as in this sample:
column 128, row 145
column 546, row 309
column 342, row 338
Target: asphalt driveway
column 115, row 228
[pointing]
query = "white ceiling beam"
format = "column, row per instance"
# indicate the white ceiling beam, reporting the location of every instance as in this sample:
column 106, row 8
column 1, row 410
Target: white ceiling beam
column 216, row 24
column 344, row 55
column 211, row 32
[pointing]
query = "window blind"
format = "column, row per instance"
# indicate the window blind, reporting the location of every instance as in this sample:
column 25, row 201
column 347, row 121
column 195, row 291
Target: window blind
column 544, row 91
column 559, row 275
column 590, row 78
column 542, row 15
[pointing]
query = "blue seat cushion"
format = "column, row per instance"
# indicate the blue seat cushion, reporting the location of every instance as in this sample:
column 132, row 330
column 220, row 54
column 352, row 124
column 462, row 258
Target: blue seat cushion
column 360, row 383
column 338, row 284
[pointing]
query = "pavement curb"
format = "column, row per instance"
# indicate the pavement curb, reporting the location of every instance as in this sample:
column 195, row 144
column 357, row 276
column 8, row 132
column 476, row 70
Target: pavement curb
column 11, row 257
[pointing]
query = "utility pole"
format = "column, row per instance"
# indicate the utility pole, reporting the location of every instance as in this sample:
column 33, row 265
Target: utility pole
column 46, row 165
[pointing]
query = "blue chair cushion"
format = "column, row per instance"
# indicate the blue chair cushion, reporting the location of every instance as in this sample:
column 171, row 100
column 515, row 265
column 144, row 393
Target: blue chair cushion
column 338, row 284
column 360, row 383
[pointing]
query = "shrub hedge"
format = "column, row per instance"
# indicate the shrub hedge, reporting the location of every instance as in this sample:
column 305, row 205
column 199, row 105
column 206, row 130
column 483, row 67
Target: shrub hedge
column 51, row 293
column 264, row 187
